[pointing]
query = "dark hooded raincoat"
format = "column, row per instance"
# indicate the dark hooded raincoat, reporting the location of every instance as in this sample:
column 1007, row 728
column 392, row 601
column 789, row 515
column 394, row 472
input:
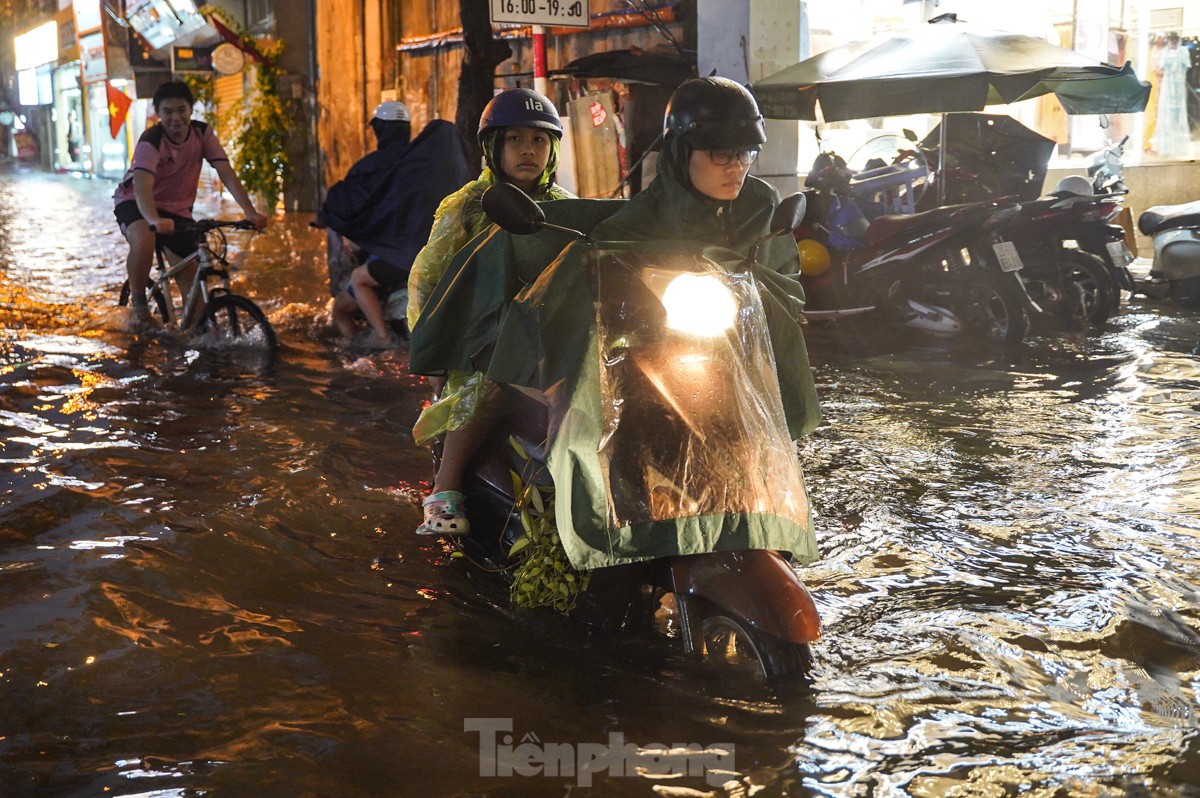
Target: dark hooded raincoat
column 385, row 203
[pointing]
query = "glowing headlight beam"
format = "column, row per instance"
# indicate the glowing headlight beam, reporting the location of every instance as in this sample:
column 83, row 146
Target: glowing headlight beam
column 700, row 305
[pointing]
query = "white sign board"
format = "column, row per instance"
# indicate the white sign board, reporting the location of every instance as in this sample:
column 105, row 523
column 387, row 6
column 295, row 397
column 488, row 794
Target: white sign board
column 556, row 13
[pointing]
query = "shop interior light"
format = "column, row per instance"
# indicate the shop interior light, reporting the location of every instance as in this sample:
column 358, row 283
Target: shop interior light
column 36, row 47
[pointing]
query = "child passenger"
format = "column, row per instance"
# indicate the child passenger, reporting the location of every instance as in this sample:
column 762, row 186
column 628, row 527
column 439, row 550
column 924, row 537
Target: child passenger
column 519, row 132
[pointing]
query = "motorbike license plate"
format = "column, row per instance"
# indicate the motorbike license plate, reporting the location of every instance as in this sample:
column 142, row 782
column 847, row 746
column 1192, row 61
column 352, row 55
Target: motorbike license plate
column 1006, row 253
column 1119, row 253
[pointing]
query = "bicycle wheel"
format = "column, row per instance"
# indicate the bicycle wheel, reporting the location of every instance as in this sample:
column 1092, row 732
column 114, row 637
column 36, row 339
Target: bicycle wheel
column 157, row 300
column 234, row 320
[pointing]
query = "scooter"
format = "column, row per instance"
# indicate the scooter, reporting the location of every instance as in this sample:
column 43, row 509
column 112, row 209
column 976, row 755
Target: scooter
column 1175, row 271
column 680, row 446
column 342, row 257
column 947, row 271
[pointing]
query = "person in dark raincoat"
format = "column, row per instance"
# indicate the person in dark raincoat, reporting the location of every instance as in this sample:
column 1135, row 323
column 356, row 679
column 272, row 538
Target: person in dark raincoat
column 519, row 132
column 385, row 206
column 704, row 193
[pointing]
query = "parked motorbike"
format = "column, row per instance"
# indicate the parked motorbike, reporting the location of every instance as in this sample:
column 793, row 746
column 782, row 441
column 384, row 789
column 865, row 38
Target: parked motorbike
column 1175, row 271
column 947, row 271
column 682, row 344
column 1077, row 257
column 1075, row 260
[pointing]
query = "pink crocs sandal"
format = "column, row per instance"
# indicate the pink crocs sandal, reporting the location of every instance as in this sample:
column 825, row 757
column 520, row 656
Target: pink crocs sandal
column 445, row 514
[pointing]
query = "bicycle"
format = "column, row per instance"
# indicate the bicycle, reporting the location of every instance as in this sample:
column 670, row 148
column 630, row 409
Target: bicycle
column 212, row 311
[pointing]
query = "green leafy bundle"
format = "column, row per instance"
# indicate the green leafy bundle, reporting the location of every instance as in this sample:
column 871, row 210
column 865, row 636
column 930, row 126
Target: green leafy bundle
column 543, row 576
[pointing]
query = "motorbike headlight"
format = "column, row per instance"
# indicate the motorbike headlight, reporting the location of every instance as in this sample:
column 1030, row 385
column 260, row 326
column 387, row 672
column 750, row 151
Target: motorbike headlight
column 700, row 305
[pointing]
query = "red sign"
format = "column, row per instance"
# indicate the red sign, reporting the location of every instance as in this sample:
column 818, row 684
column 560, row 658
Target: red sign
column 599, row 115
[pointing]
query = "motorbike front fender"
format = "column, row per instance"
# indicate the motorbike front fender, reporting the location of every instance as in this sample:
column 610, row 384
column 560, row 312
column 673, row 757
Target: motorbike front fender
column 758, row 586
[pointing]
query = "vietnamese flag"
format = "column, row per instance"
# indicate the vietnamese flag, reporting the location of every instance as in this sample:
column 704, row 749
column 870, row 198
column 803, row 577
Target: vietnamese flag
column 118, row 108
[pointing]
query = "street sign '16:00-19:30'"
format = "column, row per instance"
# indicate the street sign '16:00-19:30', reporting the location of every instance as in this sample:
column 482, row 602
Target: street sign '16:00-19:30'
column 560, row 13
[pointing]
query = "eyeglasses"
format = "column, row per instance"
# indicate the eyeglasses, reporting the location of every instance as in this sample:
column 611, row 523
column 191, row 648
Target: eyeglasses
column 726, row 157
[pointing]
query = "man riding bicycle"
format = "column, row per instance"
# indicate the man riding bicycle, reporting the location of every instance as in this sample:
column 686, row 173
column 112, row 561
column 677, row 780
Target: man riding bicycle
column 161, row 185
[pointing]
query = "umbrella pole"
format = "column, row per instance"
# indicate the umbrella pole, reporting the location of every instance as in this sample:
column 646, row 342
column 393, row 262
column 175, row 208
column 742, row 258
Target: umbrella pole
column 941, row 182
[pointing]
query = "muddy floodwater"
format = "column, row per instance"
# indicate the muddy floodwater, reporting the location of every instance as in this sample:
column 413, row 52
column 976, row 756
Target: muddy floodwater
column 209, row 584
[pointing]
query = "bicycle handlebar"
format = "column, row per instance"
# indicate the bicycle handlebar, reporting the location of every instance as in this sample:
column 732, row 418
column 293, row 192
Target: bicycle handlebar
column 204, row 225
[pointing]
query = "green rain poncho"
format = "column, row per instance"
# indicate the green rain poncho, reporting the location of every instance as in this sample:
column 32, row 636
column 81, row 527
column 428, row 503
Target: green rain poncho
column 458, row 219
column 731, row 480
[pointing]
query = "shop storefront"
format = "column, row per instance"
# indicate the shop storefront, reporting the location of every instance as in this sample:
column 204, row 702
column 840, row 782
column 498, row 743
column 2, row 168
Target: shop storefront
column 108, row 152
column 69, row 137
column 70, row 141
column 36, row 52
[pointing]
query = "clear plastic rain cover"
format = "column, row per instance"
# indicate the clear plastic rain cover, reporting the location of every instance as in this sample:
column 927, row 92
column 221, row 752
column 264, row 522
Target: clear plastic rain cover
column 692, row 420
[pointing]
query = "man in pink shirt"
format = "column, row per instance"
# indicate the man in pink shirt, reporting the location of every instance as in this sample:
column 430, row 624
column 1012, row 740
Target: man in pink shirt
column 160, row 188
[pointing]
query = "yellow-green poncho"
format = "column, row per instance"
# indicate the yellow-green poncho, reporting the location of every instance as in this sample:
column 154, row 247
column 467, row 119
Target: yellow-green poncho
column 458, row 219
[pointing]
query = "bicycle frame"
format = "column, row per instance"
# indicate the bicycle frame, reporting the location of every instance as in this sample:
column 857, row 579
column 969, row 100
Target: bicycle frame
column 198, row 294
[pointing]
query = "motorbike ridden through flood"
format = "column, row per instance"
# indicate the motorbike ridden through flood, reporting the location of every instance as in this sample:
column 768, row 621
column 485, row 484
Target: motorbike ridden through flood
column 648, row 430
column 378, row 217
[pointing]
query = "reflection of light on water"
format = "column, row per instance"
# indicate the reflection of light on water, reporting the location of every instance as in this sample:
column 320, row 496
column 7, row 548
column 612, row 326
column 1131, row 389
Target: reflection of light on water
column 74, row 251
column 1158, row 394
column 1008, row 573
column 114, row 542
column 139, row 769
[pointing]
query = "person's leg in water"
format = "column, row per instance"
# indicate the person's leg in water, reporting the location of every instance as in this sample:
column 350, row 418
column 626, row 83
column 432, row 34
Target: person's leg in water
column 445, row 510
column 445, row 513
column 364, row 285
column 344, row 312
column 137, row 266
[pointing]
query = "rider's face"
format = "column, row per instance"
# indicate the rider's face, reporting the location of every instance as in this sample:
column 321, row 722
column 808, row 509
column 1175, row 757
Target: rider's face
column 175, row 113
column 524, row 156
column 718, row 182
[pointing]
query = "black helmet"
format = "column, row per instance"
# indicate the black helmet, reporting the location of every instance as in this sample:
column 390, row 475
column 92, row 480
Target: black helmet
column 715, row 114
column 520, row 108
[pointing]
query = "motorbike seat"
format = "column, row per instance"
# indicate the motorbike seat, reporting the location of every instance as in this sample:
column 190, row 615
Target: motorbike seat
column 890, row 226
column 1167, row 217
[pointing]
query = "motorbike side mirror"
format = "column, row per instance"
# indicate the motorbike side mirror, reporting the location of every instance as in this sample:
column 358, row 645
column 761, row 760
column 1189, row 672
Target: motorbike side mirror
column 908, row 134
column 516, row 213
column 789, row 213
column 512, row 209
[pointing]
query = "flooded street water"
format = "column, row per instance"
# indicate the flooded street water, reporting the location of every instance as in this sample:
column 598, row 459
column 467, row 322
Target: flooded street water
column 209, row 584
